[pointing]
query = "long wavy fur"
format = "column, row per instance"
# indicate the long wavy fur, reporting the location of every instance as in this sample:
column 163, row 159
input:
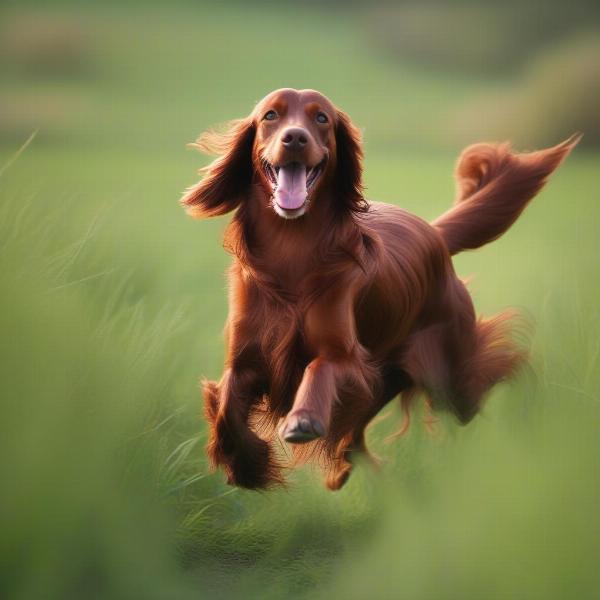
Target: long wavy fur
column 398, row 320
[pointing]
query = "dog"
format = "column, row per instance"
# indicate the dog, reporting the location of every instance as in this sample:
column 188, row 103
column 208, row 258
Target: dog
column 338, row 304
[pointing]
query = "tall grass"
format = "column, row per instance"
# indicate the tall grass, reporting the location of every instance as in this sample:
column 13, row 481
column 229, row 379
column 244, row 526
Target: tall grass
column 106, row 489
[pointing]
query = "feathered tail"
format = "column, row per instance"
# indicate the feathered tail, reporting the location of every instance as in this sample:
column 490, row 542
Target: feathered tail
column 494, row 185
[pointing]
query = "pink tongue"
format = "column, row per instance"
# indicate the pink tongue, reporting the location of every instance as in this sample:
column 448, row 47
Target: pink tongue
column 291, row 186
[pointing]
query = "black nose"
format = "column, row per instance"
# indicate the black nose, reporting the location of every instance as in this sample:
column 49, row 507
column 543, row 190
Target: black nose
column 294, row 138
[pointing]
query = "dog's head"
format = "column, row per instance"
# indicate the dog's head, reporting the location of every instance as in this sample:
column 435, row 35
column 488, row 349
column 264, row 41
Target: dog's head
column 295, row 146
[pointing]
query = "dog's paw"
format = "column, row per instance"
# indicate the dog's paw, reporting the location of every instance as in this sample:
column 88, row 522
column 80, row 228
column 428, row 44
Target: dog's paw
column 301, row 427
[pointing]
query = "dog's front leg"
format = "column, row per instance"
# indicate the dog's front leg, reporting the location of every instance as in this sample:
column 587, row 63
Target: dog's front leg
column 339, row 361
column 311, row 413
column 318, row 394
column 246, row 458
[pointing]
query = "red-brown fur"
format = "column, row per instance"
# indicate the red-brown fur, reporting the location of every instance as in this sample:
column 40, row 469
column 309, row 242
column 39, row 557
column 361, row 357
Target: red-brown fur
column 333, row 314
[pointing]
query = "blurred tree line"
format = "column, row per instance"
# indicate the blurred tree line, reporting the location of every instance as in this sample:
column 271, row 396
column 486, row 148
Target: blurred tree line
column 545, row 54
column 481, row 37
column 537, row 63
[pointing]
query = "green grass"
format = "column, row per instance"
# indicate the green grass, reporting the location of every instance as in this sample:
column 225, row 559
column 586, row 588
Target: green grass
column 112, row 307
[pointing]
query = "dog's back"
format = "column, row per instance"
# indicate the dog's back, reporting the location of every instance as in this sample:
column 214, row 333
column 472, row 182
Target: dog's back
column 417, row 317
column 413, row 265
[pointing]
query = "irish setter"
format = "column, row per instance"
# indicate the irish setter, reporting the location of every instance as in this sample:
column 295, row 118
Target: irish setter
column 338, row 304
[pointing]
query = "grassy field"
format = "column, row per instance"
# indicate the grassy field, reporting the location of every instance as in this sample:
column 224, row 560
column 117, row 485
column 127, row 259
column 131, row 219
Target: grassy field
column 112, row 307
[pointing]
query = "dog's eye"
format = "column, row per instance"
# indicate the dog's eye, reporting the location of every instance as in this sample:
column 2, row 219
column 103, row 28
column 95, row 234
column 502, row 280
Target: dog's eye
column 270, row 115
column 321, row 117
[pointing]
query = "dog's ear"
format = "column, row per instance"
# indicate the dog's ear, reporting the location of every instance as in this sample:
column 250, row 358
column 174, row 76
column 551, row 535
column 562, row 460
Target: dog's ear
column 348, row 176
column 227, row 179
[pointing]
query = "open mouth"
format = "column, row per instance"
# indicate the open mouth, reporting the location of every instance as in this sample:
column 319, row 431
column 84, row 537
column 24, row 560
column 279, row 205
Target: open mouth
column 291, row 185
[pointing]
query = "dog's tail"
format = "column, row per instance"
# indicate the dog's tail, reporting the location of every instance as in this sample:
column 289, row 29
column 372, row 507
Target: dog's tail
column 494, row 185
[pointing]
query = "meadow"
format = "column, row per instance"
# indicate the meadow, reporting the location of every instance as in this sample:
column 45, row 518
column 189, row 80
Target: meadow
column 113, row 303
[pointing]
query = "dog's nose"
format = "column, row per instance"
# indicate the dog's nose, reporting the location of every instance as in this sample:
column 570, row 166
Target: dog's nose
column 294, row 138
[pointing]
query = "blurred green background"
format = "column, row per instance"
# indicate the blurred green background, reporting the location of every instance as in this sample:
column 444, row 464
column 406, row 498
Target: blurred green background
column 113, row 302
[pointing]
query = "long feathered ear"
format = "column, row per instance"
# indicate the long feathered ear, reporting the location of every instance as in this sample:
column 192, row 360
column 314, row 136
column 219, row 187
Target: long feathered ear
column 228, row 178
column 348, row 176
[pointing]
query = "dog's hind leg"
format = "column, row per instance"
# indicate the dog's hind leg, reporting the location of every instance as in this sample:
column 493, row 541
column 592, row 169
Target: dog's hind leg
column 457, row 360
column 353, row 443
column 492, row 356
